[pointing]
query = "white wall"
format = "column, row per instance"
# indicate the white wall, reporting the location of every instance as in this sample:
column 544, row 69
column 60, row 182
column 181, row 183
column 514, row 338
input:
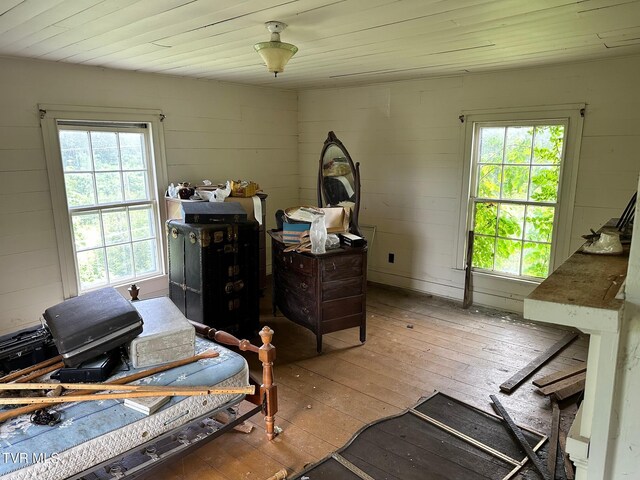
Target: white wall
column 407, row 137
column 212, row 130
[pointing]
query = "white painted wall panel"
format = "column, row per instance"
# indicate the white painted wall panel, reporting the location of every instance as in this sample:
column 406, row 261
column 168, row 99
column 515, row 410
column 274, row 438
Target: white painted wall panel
column 407, row 137
column 212, row 130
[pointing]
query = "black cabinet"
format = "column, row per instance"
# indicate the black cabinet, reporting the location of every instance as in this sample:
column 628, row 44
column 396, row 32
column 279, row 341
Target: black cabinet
column 213, row 274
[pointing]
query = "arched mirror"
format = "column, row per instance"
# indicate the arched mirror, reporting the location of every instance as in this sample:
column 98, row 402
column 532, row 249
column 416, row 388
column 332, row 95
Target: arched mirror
column 339, row 179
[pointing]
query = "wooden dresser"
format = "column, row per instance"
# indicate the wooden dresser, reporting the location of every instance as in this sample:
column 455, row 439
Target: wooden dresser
column 324, row 293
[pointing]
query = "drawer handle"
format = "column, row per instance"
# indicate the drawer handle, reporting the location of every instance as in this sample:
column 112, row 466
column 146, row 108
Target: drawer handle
column 305, row 310
column 304, row 286
column 192, row 237
column 174, row 232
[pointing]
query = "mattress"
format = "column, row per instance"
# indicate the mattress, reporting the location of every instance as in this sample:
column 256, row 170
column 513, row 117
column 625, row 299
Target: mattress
column 93, row 432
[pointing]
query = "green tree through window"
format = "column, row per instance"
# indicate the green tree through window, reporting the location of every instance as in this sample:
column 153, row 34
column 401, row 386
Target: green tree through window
column 517, row 171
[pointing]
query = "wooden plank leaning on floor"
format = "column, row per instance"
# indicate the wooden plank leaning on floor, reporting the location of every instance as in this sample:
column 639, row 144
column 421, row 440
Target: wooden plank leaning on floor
column 517, row 433
column 553, row 439
column 562, row 384
column 520, row 376
column 561, row 375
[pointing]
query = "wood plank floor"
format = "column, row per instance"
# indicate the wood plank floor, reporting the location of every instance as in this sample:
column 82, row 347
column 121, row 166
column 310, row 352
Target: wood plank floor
column 415, row 344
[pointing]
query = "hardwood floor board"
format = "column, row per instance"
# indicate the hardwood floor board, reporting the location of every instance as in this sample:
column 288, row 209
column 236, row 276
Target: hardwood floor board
column 238, row 460
column 384, row 343
column 351, row 375
column 535, row 336
column 492, row 321
column 390, row 368
column 303, row 410
column 190, row 467
column 464, row 334
column 514, row 358
column 346, row 400
column 505, row 347
column 452, row 349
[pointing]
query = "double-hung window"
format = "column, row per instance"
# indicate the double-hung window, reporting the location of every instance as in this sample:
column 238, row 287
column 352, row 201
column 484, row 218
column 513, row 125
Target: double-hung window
column 521, row 184
column 108, row 216
column 517, row 178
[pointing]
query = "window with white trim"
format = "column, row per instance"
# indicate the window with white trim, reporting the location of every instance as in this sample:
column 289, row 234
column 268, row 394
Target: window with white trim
column 105, row 193
column 521, row 174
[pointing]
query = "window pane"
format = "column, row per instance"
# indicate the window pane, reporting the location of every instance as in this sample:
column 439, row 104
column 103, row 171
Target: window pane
column 120, row 261
column 485, row 219
column 74, row 148
column 87, row 232
column 109, row 188
column 515, row 183
column 544, row 184
column 91, row 269
column 547, row 144
column 536, row 259
column 135, row 185
column 79, row 189
column 142, row 225
column 105, row 150
column 132, row 151
column 489, row 181
column 144, row 254
column 539, row 227
column 116, row 226
column 508, row 256
column 511, row 221
column 483, row 250
column 518, row 145
column 491, row 144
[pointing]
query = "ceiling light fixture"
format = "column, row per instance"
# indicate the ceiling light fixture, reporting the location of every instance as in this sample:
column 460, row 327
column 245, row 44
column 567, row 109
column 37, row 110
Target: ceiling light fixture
column 275, row 53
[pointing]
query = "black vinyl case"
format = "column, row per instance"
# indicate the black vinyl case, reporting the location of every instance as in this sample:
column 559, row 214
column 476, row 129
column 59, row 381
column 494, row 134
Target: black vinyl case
column 214, row 273
column 87, row 326
column 25, row 348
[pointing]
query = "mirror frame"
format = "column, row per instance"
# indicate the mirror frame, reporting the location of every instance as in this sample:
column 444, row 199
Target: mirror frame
column 332, row 140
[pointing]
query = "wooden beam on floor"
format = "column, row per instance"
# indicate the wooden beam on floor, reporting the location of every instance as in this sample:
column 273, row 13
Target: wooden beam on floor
column 567, row 382
column 553, row 439
column 520, row 376
column 569, row 391
column 561, row 375
column 517, row 434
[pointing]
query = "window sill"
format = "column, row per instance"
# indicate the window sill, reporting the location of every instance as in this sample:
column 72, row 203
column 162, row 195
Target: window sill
column 157, row 286
column 517, row 280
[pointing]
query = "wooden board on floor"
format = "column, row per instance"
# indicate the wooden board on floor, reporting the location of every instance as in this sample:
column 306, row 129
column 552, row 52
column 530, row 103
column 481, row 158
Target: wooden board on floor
column 561, row 375
column 562, row 384
column 569, row 391
column 513, row 383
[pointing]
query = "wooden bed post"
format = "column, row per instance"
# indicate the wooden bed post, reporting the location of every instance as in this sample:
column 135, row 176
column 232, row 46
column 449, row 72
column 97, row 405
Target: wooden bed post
column 268, row 391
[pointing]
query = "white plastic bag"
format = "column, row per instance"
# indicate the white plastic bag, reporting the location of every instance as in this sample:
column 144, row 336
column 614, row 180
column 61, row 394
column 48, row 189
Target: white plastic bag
column 318, row 235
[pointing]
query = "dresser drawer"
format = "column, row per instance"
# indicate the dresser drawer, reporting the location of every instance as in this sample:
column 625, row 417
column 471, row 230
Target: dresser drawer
column 344, row 307
column 294, row 262
column 341, row 288
column 297, row 282
column 338, row 267
column 297, row 308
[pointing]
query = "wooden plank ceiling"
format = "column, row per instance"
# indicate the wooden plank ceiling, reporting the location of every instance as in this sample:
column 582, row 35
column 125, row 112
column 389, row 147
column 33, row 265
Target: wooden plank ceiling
column 341, row 42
